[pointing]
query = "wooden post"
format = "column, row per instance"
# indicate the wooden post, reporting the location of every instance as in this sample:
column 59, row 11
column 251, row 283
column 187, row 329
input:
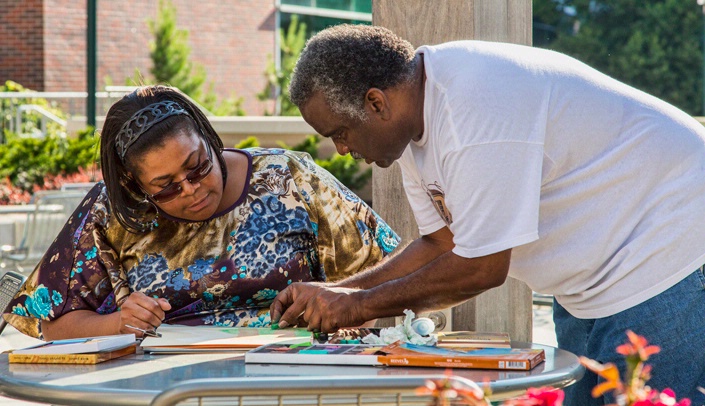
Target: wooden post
column 423, row 22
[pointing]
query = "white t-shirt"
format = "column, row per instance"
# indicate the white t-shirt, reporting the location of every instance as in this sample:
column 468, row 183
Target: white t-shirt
column 598, row 187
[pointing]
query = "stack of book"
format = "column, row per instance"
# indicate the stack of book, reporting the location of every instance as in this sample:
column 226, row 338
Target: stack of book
column 454, row 350
column 473, row 339
column 89, row 350
column 176, row 339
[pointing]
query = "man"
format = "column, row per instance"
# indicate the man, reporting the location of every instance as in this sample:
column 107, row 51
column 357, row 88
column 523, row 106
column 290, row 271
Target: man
column 524, row 162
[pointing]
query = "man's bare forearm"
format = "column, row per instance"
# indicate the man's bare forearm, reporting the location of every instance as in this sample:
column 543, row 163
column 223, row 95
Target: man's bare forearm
column 413, row 257
column 446, row 281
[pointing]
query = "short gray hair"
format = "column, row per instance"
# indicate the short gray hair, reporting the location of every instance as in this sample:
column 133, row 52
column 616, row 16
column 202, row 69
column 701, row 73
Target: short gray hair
column 345, row 61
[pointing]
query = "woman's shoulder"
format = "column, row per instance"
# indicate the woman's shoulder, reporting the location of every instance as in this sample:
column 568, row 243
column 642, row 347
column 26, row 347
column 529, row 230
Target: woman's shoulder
column 265, row 158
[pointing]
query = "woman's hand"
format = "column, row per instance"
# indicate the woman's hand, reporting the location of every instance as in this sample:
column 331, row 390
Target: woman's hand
column 142, row 311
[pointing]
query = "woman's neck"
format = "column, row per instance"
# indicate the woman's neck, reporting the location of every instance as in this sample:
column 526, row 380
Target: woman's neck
column 237, row 165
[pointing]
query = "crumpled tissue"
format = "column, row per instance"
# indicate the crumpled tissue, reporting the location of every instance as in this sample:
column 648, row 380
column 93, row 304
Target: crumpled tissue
column 401, row 332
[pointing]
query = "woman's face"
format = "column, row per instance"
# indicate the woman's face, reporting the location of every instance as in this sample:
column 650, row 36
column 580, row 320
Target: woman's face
column 177, row 167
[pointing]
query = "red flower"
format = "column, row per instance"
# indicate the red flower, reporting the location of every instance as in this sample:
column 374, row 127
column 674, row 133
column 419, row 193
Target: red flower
column 546, row 396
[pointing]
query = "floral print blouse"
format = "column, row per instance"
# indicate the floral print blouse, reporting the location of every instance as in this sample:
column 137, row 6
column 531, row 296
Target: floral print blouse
column 296, row 222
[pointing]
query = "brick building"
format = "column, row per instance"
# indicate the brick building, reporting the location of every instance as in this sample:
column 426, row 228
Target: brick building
column 43, row 43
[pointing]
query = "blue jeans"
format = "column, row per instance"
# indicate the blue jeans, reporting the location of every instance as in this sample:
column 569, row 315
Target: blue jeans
column 673, row 320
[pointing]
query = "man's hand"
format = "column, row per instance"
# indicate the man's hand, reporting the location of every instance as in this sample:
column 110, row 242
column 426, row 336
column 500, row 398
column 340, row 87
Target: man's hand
column 323, row 307
column 142, row 311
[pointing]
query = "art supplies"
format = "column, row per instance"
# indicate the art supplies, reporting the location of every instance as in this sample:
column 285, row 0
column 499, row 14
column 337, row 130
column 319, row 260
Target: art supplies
column 79, row 345
column 186, row 339
column 396, row 354
column 80, row 358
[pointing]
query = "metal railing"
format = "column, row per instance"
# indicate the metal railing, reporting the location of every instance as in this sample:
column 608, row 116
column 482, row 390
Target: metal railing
column 72, row 103
column 279, row 391
column 44, row 115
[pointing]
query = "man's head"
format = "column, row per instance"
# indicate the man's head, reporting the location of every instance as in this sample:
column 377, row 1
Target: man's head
column 359, row 85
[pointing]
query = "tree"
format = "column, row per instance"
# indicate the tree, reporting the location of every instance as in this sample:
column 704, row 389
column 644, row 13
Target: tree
column 653, row 45
column 170, row 53
column 292, row 43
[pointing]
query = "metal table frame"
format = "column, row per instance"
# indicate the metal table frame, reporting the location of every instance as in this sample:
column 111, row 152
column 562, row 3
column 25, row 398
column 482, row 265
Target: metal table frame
column 145, row 379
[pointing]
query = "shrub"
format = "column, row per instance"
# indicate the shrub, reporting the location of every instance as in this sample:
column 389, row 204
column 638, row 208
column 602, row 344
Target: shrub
column 27, row 162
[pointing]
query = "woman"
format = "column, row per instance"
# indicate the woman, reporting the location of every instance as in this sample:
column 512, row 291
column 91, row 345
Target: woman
column 184, row 231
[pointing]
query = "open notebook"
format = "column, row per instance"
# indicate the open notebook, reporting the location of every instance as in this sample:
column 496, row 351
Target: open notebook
column 185, row 339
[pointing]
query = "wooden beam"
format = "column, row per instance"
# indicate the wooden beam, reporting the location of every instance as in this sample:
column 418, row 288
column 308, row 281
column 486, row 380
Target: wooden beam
column 422, row 22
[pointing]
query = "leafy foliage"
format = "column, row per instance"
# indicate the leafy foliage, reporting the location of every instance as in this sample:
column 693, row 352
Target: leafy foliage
column 170, row 53
column 249, row 142
column 31, row 121
column 27, row 161
column 653, row 45
column 292, row 43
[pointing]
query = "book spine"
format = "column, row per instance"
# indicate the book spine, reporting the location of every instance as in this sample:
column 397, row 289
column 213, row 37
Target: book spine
column 450, row 362
column 54, row 358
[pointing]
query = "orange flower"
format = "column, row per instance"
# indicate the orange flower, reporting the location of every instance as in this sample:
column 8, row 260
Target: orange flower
column 450, row 388
column 608, row 372
column 637, row 346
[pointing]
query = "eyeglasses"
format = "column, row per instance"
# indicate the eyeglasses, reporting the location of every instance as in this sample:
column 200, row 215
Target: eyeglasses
column 174, row 189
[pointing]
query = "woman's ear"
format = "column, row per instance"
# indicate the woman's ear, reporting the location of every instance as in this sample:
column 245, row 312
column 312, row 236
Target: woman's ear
column 378, row 103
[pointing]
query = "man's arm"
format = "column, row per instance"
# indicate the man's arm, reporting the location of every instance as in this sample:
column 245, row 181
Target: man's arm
column 414, row 256
column 444, row 280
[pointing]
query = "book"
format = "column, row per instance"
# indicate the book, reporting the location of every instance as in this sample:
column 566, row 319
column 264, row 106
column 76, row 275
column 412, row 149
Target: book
column 79, row 345
column 315, row 354
column 473, row 339
column 193, row 339
column 78, row 358
column 405, row 354
column 396, row 354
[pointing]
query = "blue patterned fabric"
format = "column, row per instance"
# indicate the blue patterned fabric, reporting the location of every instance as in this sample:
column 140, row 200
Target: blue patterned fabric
column 296, row 223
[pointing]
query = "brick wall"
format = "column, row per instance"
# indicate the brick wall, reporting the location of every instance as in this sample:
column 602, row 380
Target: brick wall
column 21, row 47
column 231, row 39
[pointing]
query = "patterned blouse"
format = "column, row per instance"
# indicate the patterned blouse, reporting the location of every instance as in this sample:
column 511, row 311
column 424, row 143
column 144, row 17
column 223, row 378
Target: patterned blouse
column 295, row 223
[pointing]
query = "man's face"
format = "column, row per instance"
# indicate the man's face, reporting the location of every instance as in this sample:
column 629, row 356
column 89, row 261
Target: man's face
column 381, row 139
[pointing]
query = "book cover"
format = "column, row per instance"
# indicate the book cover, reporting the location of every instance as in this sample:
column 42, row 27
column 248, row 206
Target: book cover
column 473, row 339
column 79, row 345
column 397, row 354
column 315, row 354
column 81, row 358
column 405, row 354
column 185, row 339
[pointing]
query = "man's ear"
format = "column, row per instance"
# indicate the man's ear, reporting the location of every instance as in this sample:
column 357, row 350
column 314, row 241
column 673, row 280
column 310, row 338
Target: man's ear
column 378, row 103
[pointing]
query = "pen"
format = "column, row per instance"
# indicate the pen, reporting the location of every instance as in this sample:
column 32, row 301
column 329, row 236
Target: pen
column 148, row 333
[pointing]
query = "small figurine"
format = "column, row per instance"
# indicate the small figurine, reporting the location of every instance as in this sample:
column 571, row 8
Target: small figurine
column 423, row 326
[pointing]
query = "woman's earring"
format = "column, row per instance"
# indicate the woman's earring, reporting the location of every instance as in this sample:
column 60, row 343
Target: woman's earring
column 150, row 225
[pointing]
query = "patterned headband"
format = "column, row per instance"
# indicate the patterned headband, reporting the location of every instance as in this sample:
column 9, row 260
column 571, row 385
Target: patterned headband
column 142, row 121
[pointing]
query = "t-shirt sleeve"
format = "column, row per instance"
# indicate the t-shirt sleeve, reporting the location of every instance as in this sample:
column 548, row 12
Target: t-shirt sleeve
column 72, row 274
column 427, row 219
column 349, row 234
column 493, row 193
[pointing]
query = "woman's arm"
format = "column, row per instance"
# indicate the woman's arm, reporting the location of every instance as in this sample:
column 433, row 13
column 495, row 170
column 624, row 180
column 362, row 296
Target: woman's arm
column 138, row 310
